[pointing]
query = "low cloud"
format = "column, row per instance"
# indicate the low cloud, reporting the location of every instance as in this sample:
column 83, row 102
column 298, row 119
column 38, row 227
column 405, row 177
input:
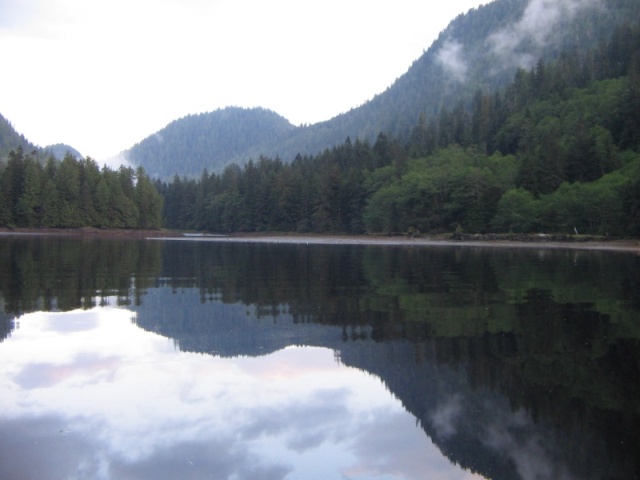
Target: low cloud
column 117, row 161
column 535, row 30
column 451, row 58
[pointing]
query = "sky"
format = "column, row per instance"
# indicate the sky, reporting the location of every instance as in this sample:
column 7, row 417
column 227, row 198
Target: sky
column 102, row 75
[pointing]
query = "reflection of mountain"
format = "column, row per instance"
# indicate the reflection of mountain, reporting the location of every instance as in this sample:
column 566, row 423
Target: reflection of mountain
column 480, row 428
column 7, row 322
column 227, row 330
column 465, row 392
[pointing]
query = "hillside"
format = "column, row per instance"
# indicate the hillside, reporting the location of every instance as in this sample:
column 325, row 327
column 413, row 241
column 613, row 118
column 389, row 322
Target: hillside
column 481, row 49
column 556, row 150
column 10, row 140
column 59, row 150
column 209, row 140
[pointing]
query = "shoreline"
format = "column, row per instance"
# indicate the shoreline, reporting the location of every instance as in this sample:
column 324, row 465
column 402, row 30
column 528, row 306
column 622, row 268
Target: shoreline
column 89, row 232
column 485, row 241
column 296, row 239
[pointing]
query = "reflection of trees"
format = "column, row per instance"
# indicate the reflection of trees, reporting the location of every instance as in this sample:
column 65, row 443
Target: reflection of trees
column 555, row 332
column 39, row 273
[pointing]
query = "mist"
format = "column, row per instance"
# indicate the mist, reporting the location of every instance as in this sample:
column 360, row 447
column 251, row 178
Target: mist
column 450, row 57
column 117, row 161
column 535, row 29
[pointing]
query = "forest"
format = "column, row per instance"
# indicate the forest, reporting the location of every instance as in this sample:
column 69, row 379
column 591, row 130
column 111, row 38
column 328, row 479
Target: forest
column 75, row 193
column 557, row 150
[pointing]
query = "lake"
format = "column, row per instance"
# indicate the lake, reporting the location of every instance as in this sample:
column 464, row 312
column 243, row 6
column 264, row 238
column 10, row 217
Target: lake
column 207, row 359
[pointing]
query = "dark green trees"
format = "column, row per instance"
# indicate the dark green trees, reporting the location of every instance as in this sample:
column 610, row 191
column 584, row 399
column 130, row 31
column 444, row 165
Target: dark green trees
column 75, row 193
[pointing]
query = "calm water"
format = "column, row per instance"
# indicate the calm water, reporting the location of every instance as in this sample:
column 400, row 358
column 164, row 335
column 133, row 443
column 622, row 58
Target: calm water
column 165, row 359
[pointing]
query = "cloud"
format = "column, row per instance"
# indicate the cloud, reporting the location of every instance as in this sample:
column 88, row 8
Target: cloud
column 450, row 57
column 15, row 14
column 535, row 30
column 116, row 161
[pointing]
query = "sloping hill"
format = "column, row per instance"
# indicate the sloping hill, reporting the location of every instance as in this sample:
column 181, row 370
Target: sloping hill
column 10, row 139
column 481, row 49
column 209, row 140
column 59, row 150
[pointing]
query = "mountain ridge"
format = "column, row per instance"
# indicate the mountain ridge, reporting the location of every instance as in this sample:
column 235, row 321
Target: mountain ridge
column 11, row 140
column 479, row 50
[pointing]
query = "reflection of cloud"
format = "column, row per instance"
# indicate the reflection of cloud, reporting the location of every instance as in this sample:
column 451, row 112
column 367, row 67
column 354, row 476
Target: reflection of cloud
column 37, row 375
column 74, row 454
column 512, row 436
column 122, row 403
column 216, row 459
column 397, row 448
column 77, row 321
column 307, row 424
column 445, row 416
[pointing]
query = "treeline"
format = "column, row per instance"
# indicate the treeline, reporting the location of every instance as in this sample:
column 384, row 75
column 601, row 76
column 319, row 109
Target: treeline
column 555, row 151
column 75, row 193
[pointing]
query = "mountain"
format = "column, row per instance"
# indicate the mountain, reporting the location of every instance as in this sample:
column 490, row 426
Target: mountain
column 209, row 140
column 479, row 50
column 10, row 139
column 59, row 150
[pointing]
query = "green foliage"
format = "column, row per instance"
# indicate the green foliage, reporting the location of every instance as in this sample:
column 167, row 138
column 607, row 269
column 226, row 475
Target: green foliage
column 75, row 193
column 607, row 206
column 452, row 187
column 594, row 207
column 517, row 211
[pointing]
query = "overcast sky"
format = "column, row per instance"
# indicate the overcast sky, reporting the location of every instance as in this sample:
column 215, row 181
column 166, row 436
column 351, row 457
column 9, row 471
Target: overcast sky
column 101, row 75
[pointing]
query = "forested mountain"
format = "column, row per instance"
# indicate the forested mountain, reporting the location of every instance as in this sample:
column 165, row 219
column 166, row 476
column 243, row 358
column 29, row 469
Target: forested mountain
column 60, row 150
column 556, row 150
column 209, row 140
column 481, row 49
column 10, row 140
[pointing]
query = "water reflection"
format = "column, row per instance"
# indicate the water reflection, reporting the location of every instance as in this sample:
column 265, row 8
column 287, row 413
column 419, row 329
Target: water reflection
column 514, row 363
column 87, row 394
